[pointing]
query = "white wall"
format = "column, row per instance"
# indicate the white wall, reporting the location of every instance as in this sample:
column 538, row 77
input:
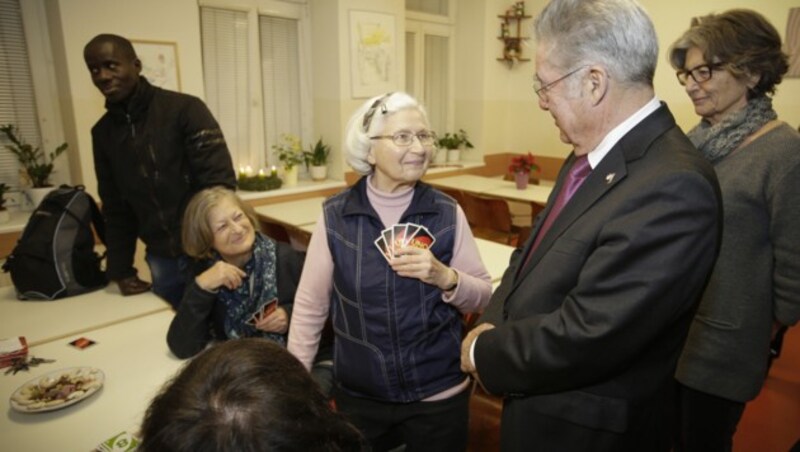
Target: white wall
column 511, row 102
column 495, row 104
column 74, row 22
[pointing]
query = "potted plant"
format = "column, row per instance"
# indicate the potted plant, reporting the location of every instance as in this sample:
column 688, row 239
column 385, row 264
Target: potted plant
column 316, row 159
column 36, row 166
column 521, row 167
column 454, row 143
column 290, row 153
column 4, row 216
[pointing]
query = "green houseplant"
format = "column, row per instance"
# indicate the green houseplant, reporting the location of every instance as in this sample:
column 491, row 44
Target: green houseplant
column 316, row 159
column 35, row 163
column 290, row 153
column 454, row 142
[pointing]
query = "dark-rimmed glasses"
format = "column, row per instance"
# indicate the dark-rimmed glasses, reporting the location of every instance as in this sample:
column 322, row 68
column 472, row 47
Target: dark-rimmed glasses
column 541, row 90
column 701, row 73
column 372, row 109
column 427, row 138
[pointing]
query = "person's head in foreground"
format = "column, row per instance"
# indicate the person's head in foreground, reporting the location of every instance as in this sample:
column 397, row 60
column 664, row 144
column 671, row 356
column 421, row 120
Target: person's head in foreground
column 245, row 395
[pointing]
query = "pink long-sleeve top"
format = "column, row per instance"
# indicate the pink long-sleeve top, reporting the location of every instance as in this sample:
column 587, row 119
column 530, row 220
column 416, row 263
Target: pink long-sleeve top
column 312, row 299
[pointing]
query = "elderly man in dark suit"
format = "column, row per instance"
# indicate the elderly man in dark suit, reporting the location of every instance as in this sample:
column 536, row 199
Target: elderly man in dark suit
column 583, row 334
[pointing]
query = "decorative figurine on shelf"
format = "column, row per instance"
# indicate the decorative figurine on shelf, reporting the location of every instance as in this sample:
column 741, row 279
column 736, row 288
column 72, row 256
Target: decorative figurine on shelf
column 519, row 8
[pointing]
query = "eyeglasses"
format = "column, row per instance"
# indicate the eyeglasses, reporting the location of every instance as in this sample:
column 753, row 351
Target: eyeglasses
column 699, row 74
column 541, row 90
column 427, row 138
column 372, row 109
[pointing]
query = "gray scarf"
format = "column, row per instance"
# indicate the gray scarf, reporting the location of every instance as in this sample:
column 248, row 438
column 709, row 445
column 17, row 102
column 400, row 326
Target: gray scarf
column 719, row 140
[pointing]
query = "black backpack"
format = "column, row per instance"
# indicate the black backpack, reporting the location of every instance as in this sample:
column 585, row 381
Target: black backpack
column 55, row 257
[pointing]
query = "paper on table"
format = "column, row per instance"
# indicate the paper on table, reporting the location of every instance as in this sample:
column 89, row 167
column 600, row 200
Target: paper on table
column 11, row 345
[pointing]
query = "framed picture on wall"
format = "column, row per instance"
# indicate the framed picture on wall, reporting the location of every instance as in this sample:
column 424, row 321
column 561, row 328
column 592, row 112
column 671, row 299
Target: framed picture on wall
column 159, row 62
column 373, row 53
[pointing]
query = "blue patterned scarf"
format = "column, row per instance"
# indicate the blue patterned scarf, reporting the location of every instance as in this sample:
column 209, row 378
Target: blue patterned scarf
column 256, row 290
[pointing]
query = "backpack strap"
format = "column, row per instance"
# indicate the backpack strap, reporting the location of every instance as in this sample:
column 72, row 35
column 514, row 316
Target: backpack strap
column 98, row 221
column 97, row 218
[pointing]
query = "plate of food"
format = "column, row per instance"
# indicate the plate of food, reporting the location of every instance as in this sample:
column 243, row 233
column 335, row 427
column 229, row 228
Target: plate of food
column 57, row 389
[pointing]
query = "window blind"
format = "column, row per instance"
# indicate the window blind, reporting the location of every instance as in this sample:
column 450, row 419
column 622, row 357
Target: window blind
column 224, row 35
column 280, row 75
column 17, row 101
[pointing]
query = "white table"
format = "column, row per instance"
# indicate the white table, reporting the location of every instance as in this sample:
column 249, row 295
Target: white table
column 43, row 321
column 293, row 213
column 495, row 257
column 536, row 194
column 470, row 183
column 136, row 362
column 496, row 187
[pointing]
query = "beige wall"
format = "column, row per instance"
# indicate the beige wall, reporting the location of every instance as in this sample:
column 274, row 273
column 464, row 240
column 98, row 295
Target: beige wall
column 495, row 104
column 510, row 104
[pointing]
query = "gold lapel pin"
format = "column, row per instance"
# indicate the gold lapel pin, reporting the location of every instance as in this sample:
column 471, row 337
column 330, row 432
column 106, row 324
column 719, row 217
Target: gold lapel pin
column 610, row 177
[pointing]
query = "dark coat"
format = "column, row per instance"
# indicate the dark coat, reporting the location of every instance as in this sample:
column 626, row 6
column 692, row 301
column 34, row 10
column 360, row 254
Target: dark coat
column 150, row 156
column 588, row 334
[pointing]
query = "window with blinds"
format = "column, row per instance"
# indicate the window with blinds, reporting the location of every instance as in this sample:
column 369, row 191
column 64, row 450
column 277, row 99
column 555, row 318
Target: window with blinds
column 224, row 35
column 17, row 101
column 429, row 75
column 280, row 76
column 237, row 76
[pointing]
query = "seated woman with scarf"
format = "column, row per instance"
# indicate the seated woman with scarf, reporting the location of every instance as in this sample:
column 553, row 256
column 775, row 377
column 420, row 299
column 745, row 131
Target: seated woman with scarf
column 245, row 281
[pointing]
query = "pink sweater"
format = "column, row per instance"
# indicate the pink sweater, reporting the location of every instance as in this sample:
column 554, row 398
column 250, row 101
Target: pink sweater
column 312, row 299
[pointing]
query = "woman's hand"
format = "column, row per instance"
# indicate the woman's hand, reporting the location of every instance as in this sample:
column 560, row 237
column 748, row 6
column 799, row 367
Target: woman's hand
column 277, row 322
column 419, row 263
column 221, row 274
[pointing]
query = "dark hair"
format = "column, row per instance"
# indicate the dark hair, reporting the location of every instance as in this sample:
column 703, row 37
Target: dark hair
column 119, row 42
column 245, row 395
column 742, row 39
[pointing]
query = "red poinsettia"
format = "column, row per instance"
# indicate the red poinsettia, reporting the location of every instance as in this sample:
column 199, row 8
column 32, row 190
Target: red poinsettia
column 523, row 164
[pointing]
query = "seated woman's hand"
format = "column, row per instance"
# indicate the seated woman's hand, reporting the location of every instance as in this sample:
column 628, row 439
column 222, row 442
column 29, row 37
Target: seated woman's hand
column 221, row 274
column 277, row 322
column 419, row 263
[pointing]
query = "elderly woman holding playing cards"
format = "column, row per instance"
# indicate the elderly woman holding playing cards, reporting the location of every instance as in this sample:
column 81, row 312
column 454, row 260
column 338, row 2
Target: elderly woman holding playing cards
column 245, row 283
column 394, row 263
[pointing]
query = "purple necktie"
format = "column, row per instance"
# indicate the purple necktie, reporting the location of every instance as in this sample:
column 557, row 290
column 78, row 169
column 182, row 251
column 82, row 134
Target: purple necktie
column 577, row 174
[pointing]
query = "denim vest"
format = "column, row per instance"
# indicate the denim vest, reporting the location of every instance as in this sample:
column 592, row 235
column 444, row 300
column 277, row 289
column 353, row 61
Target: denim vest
column 396, row 340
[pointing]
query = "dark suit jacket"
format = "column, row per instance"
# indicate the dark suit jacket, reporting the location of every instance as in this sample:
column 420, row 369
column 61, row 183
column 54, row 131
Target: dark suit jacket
column 589, row 332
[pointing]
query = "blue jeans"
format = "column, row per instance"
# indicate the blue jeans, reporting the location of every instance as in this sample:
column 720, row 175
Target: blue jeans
column 170, row 275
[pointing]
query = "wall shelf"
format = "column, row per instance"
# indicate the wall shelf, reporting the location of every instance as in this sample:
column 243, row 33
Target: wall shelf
column 511, row 34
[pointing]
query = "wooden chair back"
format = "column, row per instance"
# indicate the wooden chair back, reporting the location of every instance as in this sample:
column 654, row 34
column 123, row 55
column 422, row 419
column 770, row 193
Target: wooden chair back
column 490, row 219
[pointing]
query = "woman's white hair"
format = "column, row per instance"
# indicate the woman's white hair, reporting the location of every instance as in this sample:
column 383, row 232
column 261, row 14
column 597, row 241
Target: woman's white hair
column 368, row 120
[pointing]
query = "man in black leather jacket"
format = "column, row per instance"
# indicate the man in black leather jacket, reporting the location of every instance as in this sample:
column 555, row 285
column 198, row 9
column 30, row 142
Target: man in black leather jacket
column 153, row 149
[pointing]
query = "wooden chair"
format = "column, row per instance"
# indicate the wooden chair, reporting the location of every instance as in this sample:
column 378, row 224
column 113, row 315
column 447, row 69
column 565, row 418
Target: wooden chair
column 490, row 219
column 485, row 411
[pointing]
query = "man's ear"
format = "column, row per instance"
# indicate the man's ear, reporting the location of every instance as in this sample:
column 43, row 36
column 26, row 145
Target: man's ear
column 598, row 81
column 137, row 63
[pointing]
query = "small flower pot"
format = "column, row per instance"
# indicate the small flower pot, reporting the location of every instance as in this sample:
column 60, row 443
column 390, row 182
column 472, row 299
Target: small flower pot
column 318, row 173
column 521, row 179
column 36, row 195
column 453, row 155
column 290, row 177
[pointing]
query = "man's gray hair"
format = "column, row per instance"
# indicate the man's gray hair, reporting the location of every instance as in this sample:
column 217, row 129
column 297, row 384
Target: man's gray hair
column 615, row 33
